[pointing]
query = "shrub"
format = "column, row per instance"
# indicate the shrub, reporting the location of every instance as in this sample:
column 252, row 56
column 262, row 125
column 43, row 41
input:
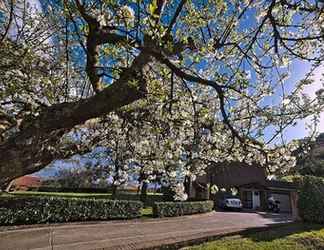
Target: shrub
column 170, row 209
column 121, row 195
column 73, row 189
column 31, row 210
column 311, row 198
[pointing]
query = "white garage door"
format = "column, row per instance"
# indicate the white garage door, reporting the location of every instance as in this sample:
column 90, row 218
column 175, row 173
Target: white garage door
column 284, row 202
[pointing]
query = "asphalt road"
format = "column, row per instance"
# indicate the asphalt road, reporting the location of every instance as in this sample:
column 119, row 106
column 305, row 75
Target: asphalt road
column 135, row 234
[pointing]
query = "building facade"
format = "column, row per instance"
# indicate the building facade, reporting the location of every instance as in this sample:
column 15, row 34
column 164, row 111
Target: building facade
column 251, row 184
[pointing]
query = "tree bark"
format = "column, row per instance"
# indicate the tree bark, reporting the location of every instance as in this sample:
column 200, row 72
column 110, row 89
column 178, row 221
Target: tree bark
column 114, row 192
column 32, row 148
column 144, row 192
column 187, row 185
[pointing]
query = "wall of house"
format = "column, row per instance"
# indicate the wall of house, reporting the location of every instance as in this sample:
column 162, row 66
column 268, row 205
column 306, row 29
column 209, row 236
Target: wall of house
column 255, row 195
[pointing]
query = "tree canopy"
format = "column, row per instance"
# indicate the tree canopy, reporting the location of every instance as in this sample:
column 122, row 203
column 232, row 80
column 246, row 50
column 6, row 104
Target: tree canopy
column 189, row 81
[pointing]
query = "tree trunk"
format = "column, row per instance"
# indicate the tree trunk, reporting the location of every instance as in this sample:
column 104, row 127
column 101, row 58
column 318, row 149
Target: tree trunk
column 138, row 189
column 143, row 196
column 187, row 185
column 114, row 192
column 35, row 145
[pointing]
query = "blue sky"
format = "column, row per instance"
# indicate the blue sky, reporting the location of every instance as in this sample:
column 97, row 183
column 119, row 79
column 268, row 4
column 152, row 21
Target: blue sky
column 298, row 70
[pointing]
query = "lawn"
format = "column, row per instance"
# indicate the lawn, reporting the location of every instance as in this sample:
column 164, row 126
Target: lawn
column 295, row 236
column 147, row 212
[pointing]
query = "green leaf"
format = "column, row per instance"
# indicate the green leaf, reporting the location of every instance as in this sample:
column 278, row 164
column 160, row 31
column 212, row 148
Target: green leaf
column 153, row 7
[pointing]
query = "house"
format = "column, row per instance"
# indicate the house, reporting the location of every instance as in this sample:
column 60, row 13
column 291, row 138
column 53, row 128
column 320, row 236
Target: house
column 251, row 184
column 255, row 195
column 25, row 183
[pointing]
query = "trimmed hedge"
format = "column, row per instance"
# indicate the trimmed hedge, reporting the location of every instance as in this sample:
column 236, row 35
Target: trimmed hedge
column 32, row 210
column 311, row 198
column 150, row 200
column 171, row 209
column 72, row 190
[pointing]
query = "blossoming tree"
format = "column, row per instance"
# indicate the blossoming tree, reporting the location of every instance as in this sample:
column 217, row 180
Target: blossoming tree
column 82, row 60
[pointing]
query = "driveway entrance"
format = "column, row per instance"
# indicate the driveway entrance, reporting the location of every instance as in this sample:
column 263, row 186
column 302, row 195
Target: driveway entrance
column 135, row 234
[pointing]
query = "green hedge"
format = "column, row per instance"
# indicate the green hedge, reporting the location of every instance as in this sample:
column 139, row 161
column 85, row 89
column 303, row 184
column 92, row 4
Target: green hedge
column 311, row 199
column 171, row 209
column 72, row 190
column 31, row 210
column 121, row 195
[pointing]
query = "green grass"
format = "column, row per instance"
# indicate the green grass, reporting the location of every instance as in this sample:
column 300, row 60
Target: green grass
column 295, row 236
column 147, row 212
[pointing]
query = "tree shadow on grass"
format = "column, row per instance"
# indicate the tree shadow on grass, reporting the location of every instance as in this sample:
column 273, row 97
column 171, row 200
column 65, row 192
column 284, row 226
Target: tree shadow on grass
column 280, row 231
column 258, row 234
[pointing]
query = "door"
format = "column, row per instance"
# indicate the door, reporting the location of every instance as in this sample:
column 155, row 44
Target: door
column 247, row 199
column 256, row 199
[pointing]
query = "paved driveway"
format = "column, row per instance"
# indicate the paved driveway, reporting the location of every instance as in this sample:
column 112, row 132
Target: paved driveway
column 134, row 234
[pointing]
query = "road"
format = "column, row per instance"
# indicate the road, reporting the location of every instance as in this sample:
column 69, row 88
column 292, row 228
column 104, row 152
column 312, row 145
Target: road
column 135, row 234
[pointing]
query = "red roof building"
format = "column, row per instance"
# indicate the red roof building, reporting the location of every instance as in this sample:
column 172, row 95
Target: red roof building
column 26, row 182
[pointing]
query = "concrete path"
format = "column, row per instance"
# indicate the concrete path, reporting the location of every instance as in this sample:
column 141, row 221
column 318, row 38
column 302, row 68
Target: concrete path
column 136, row 234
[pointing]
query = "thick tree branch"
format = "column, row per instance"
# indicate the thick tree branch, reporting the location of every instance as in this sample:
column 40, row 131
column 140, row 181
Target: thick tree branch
column 38, row 136
column 218, row 88
column 184, row 75
column 175, row 16
column 11, row 15
column 96, row 36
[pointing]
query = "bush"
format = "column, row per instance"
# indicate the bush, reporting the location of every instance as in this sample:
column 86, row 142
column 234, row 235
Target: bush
column 73, row 190
column 121, row 195
column 171, row 209
column 311, row 198
column 31, row 210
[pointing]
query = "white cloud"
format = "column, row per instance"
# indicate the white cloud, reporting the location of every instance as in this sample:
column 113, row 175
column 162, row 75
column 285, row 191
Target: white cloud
column 311, row 89
column 300, row 129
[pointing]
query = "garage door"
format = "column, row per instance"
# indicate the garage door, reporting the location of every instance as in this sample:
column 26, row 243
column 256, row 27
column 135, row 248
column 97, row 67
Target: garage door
column 284, row 202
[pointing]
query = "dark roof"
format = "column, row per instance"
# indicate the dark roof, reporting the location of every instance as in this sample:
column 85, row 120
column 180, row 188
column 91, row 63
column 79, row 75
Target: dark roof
column 240, row 174
column 280, row 184
column 254, row 185
column 234, row 174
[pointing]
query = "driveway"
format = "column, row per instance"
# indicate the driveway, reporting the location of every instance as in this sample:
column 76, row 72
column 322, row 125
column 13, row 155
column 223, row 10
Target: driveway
column 136, row 234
